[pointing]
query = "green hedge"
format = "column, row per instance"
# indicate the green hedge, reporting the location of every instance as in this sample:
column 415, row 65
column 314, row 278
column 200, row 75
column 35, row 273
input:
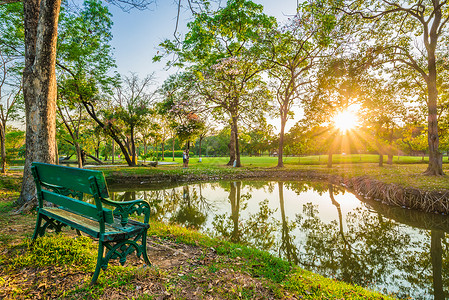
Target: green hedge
column 169, row 153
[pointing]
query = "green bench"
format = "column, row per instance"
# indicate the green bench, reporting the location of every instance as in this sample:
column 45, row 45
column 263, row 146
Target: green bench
column 104, row 219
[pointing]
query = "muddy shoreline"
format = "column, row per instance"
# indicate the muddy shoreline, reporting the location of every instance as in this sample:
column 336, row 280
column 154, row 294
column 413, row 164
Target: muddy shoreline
column 365, row 187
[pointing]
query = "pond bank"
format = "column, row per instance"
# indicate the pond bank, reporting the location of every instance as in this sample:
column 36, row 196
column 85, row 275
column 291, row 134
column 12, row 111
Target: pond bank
column 434, row 201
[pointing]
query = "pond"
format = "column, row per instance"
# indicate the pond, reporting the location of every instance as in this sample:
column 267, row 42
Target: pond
column 318, row 226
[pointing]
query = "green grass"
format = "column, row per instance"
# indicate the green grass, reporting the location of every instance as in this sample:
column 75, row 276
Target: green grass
column 51, row 250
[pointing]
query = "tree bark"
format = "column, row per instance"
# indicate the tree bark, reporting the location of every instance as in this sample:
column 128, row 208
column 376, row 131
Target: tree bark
column 78, row 154
column 113, row 151
column 173, row 148
column 39, row 87
column 281, row 144
column 435, row 166
column 236, row 141
column 329, row 159
column 133, row 147
column 390, row 158
column 3, row 146
column 381, row 160
column 231, row 146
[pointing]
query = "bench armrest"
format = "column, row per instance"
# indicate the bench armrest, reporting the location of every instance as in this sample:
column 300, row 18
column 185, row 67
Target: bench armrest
column 126, row 208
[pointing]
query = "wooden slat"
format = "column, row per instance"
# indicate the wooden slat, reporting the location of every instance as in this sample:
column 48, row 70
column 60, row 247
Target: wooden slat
column 77, row 206
column 114, row 231
column 73, row 178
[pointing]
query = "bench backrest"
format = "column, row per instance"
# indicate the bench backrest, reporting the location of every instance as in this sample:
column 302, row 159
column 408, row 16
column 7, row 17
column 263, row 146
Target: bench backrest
column 64, row 186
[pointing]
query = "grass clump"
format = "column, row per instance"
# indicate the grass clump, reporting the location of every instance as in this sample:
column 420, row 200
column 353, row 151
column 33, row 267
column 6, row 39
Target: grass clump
column 55, row 250
column 314, row 286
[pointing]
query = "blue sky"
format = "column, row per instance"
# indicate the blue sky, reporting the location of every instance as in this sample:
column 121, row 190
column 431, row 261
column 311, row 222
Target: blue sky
column 136, row 34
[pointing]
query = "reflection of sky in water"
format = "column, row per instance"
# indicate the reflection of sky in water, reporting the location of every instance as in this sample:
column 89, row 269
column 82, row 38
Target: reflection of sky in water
column 216, row 202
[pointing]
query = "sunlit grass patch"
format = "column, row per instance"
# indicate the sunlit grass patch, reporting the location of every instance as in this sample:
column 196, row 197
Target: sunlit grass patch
column 54, row 250
column 314, row 286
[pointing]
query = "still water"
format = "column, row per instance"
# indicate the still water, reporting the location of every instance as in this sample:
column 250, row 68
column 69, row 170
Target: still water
column 318, row 226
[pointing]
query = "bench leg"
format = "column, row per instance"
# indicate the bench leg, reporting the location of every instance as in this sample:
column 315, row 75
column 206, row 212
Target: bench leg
column 99, row 262
column 144, row 249
column 38, row 230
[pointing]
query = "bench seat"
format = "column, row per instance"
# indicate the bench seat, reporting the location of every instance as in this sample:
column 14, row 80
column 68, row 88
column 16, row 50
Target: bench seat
column 112, row 232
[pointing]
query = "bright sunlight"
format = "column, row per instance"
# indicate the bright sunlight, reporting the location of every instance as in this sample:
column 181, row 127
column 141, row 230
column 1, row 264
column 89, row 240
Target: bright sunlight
column 346, row 120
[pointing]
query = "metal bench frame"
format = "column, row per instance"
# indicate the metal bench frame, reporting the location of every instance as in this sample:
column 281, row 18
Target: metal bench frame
column 65, row 187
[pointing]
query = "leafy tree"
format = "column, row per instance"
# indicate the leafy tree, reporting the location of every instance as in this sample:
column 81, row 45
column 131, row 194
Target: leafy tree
column 222, row 50
column 382, row 113
column 259, row 139
column 83, row 62
column 414, row 139
column 10, row 99
column 11, row 64
column 131, row 102
column 181, row 105
column 299, row 140
column 293, row 51
column 412, row 36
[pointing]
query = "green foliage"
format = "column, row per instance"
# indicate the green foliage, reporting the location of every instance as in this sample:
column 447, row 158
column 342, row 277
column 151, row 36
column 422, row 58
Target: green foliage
column 15, row 140
column 181, row 104
column 314, row 286
column 56, row 250
column 11, row 28
column 83, row 44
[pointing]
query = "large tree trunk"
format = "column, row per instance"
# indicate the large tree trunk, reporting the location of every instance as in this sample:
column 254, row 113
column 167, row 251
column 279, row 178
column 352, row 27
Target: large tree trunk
column 78, row 154
column 231, row 147
column 236, row 138
column 133, row 147
column 39, row 88
column 173, row 148
column 113, row 151
column 435, row 166
column 329, row 159
column 3, row 147
column 430, row 40
column 390, row 158
column 281, row 144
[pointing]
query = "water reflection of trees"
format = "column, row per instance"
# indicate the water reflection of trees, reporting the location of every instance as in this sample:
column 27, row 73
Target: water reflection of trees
column 369, row 247
column 181, row 205
column 257, row 229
